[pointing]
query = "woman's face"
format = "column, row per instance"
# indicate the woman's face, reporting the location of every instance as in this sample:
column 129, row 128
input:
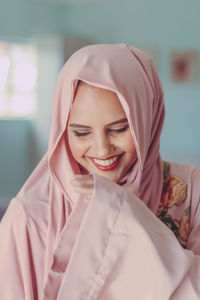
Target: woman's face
column 98, row 133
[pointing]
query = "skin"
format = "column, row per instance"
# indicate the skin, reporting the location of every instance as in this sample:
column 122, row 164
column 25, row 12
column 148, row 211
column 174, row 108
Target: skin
column 98, row 128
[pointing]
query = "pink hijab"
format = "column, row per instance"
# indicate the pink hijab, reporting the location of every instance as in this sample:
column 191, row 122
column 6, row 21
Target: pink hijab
column 130, row 73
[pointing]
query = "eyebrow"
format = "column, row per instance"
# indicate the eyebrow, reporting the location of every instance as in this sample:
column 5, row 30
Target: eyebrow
column 121, row 121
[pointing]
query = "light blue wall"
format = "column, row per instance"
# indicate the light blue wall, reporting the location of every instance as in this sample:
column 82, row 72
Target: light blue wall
column 153, row 22
column 164, row 25
column 29, row 18
column 15, row 151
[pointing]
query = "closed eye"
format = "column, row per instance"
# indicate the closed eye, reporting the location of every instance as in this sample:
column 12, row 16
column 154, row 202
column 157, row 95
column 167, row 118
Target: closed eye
column 119, row 130
column 110, row 130
column 81, row 133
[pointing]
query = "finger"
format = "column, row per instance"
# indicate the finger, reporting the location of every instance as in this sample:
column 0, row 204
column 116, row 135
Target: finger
column 83, row 180
column 81, row 177
column 84, row 191
column 88, row 183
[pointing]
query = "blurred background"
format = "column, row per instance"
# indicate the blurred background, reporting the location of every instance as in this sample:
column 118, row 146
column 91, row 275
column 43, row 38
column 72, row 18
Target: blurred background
column 36, row 38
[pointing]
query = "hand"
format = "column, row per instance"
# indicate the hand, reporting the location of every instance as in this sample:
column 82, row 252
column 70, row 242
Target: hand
column 83, row 184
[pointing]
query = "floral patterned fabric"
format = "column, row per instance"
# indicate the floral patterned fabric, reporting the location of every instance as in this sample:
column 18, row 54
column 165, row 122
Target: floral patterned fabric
column 174, row 193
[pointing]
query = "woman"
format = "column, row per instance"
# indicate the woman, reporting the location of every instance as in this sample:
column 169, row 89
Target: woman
column 87, row 223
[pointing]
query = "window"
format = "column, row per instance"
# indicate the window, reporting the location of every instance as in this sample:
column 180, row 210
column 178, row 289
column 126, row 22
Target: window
column 18, row 80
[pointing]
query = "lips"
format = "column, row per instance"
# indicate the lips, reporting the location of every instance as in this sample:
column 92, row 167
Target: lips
column 108, row 164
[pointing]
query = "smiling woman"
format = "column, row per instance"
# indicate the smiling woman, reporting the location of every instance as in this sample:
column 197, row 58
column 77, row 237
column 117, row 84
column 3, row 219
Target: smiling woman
column 102, row 216
column 99, row 134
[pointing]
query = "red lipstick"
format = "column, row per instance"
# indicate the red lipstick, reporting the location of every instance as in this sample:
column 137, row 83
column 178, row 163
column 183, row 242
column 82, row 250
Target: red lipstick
column 108, row 167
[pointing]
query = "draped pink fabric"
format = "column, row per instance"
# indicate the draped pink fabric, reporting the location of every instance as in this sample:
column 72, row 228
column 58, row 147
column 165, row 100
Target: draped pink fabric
column 56, row 245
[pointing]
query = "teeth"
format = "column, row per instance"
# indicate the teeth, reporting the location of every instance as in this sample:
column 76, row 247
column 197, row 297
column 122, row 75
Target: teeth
column 106, row 162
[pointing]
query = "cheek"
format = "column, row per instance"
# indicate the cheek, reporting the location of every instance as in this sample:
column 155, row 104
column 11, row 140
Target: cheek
column 131, row 147
column 128, row 144
column 76, row 146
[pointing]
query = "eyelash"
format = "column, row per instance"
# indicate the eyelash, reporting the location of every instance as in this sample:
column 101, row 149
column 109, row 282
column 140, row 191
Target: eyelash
column 119, row 130
column 80, row 134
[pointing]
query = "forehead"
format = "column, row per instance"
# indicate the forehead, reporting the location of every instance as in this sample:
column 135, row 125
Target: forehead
column 93, row 103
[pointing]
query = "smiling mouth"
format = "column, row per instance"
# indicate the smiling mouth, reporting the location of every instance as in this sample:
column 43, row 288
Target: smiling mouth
column 106, row 164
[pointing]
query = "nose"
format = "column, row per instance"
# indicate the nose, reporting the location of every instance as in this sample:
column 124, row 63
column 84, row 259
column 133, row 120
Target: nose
column 103, row 146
